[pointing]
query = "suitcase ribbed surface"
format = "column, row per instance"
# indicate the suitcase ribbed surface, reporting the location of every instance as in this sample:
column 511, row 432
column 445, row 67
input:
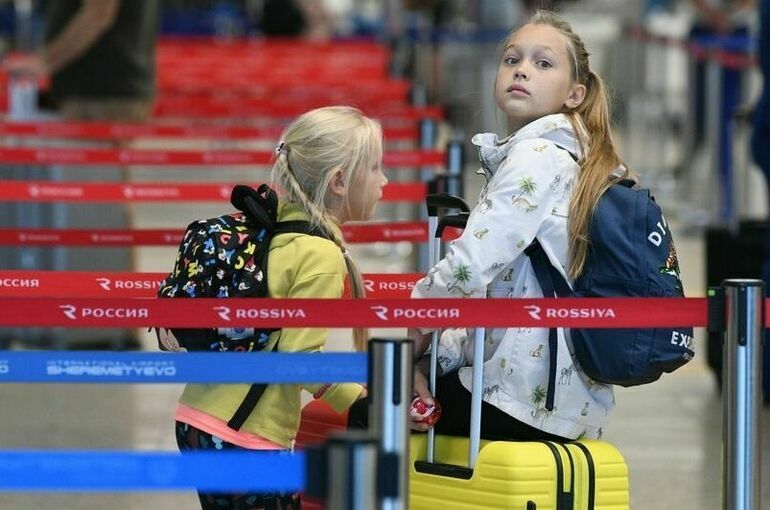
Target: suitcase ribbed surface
column 511, row 474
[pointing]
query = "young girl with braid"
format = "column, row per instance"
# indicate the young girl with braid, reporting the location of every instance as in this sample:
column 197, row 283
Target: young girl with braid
column 543, row 181
column 328, row 168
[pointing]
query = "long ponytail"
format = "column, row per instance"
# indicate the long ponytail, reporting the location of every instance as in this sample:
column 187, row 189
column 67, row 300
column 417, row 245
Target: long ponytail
column 596, row 170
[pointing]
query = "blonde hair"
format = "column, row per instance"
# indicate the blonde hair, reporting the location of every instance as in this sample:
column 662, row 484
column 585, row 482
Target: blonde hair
column 591, row 123
column 314, row 146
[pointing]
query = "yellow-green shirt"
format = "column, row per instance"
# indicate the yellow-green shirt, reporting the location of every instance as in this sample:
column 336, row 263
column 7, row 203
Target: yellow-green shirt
column 299, row 266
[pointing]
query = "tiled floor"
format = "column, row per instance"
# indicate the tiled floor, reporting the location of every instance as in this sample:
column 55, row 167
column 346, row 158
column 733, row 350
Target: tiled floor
column 669, row 432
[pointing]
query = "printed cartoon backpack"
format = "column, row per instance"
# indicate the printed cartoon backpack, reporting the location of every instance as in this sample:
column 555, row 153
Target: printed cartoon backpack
column 227, row 257
column 631, row 254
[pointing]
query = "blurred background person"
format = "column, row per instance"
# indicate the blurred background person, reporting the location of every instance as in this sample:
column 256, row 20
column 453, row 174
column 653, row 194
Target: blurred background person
column 760, row 150
column 100, row 56
column 296, row 18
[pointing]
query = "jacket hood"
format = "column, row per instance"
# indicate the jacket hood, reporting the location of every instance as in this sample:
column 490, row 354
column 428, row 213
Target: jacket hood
column 555, row 128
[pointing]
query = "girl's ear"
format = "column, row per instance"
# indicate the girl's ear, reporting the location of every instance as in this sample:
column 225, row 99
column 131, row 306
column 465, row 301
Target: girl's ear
column 576, row 96
column 337, row 183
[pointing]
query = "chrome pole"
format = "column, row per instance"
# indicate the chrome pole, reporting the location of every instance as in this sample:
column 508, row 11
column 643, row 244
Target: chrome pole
column 390, row 387
column 352, row 471
column 428, row 137
column 742, row 393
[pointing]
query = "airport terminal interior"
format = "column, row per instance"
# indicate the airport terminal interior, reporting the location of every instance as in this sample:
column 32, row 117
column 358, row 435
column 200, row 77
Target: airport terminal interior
column 698, row 166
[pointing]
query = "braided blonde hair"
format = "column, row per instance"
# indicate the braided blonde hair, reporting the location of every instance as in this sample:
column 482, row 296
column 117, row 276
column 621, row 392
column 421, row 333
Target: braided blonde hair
column 315, row 145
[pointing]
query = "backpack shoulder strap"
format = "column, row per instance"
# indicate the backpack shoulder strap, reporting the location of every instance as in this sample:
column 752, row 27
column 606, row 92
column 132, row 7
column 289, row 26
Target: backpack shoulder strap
column 256, row 391
column 298, row 227
column 546, row 273
column 553, row 284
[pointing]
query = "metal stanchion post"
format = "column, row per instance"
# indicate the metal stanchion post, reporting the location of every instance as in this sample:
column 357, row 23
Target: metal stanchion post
column 714, row 129
column 351, row 463
column 390, row 387
column 428, row 136
column 25, row 29
column 418, row 95
column 455, row 160
column 742, row 392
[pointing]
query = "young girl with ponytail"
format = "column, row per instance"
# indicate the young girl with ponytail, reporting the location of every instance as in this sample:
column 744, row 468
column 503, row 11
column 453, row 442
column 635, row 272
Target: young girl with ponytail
column 328, row 168
column 543, row 182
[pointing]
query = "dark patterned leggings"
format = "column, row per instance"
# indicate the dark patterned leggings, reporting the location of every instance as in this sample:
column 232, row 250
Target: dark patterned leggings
column 190, row 438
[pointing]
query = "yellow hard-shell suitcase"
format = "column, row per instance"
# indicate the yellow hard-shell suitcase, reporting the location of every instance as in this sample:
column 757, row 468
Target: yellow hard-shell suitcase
column 585, row 475
column 470, row 474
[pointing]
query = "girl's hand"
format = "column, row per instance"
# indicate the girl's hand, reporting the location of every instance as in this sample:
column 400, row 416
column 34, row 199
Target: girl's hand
column 364, row 393
column 421, row 389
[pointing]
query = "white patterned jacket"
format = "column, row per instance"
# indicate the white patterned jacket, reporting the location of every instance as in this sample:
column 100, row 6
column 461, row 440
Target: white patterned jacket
column 530, row 177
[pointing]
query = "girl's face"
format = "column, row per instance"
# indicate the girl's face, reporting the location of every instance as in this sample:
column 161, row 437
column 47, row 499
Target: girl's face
column 534, row 78
column 365, row 190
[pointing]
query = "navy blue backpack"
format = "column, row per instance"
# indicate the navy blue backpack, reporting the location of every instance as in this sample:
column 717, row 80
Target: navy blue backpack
column 631, row 254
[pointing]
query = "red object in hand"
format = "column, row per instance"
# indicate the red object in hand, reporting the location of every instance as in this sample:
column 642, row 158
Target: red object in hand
column 421, row 412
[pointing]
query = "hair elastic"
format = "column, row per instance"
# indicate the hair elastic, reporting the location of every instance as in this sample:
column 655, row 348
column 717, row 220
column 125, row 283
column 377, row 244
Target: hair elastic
column 282, row 149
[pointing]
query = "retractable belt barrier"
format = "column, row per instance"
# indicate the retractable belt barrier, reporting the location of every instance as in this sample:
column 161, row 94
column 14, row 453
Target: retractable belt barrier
column 192, row 367
column 57, row 470
column 122, row 131
column 718, row 67
column 45, row 191
column 194, row 108
column 163, row 158
column 391, row 313
column 392, row 232
column 379, row 91
column 117, row 471
column 95, row 284
column 734, row 52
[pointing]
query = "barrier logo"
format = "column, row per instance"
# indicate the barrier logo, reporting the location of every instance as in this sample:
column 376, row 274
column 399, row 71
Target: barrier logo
column 369, row 285
column 104, row 283
column 380, row 311
column 72, row 312
column 385, row 314
column 533, row 311
column 69, row 311
column 223, row 312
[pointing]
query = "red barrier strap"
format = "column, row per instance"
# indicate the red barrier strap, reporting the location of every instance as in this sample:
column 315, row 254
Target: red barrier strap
column 88, row 157
column 122, row 131
column 263, row 313
column 45, row 191
column 95, row 284
column 84, row 157
column 728, row 59
column 277, row 109
column 341, row 93
column 187, row 46
column 390, row 232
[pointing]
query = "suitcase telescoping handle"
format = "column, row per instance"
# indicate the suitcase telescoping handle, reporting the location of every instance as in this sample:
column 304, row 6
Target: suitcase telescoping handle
column 457, row 221
column 435, row 202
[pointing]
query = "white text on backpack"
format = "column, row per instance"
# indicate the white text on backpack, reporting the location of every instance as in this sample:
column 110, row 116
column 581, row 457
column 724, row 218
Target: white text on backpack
column 656, row 237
